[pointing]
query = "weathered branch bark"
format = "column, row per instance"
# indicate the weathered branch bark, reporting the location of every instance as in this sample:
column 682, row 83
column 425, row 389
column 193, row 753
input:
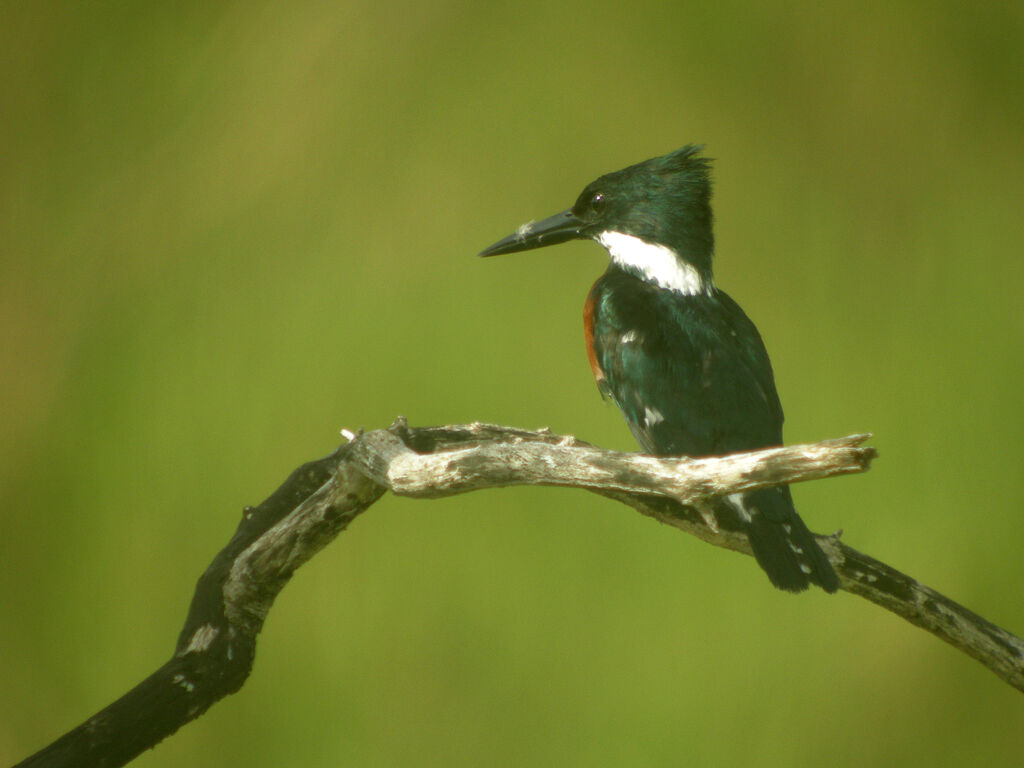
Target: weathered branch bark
column 215, row 650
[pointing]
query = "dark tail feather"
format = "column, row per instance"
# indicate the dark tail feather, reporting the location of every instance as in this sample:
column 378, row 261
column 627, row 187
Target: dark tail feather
column 783, row 546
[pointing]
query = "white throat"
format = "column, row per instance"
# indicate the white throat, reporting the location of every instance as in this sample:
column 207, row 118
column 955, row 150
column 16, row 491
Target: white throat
column 657, row 263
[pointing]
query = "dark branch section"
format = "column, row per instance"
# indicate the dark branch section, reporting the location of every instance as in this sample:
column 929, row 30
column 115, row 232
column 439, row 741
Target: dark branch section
column 922, row 606
column 216, row 648
column 217, row 645
column 999, row 650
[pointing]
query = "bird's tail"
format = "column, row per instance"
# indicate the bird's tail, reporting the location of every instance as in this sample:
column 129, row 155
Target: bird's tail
column 782, row 545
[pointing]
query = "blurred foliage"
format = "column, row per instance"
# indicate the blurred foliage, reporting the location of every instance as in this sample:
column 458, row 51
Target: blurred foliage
column 229, row 229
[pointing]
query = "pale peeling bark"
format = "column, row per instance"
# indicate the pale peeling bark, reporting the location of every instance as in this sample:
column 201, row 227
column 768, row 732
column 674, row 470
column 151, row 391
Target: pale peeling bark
column 215, row 649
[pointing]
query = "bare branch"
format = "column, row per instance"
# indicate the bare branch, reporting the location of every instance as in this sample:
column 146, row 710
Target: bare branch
column 215, row 650
column 535, row 460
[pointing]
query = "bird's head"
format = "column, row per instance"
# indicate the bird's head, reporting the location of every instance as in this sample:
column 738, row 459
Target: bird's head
column 653, row 218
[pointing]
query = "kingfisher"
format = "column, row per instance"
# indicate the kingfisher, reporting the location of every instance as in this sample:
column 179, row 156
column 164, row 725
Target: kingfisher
column 680, row 359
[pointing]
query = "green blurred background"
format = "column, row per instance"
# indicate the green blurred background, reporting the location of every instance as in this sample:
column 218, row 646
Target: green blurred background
column 230, row 229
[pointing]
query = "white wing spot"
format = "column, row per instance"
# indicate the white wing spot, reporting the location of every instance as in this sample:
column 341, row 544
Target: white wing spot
column 805, row 568
column 653, row 416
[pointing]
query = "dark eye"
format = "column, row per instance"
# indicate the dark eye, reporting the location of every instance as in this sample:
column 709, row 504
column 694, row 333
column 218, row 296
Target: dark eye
column 598, row 202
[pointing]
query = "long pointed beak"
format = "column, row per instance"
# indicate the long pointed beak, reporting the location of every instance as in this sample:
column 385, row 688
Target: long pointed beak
column 536, row 234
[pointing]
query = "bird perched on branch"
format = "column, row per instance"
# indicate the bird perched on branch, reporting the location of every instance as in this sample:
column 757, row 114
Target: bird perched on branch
column 680, row 359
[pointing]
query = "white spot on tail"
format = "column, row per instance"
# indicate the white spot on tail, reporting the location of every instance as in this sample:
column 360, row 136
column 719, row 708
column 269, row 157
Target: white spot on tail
column 656, row 263
column 738, row 502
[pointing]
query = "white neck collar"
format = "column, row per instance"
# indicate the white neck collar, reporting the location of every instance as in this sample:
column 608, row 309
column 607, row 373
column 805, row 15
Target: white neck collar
column 656, row 263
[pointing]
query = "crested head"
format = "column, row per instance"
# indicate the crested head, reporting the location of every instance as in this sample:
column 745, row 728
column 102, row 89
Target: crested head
column 654, row 218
